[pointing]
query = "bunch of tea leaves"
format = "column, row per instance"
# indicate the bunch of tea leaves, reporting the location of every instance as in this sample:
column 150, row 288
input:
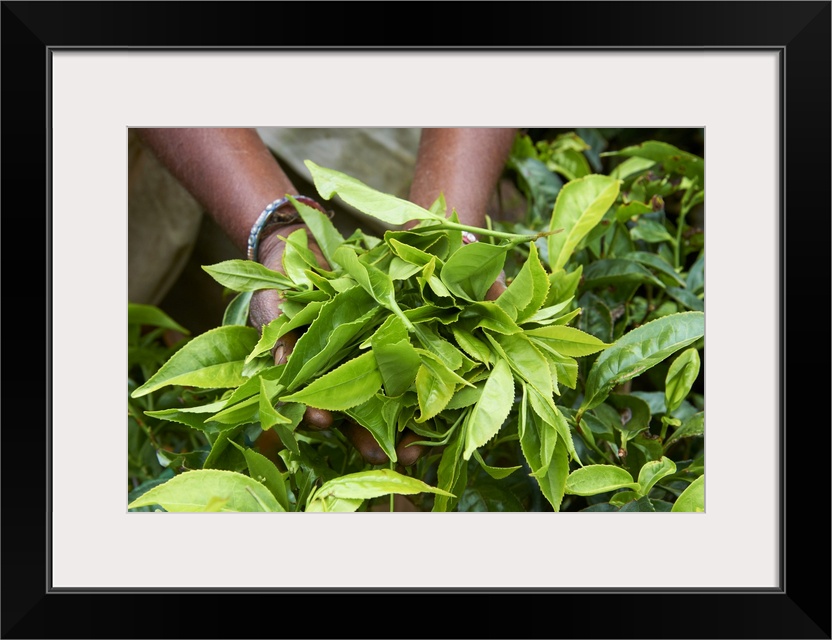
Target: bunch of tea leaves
column 397, row 333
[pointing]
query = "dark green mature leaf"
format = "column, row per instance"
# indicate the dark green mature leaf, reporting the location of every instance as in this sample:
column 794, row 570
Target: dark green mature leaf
column 672, row 159
column 151, row 316
column 489, row 497
column 636, row 351
column 612, row 271
column 346, row 386
column 656, row 262
column 686, row 298
column 209, row 490
column 374, row 203
column 212, row 360
column 536, row 181
column 691, row 427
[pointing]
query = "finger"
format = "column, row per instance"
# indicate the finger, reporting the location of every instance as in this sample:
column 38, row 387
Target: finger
column 284, row 346
column 497, row 288
column 364, row 443
column 408, row 453
column 317, row 419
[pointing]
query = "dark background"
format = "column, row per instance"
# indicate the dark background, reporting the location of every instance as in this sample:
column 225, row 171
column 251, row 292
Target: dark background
column 800, row 608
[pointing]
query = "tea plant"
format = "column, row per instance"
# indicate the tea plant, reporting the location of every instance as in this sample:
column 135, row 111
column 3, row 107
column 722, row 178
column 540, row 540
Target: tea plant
column 523, row 402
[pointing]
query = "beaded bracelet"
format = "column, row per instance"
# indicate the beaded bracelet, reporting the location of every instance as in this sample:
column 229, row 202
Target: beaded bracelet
column 272, row 218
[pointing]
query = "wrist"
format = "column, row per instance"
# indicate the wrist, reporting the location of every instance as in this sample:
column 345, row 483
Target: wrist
column 276, row 216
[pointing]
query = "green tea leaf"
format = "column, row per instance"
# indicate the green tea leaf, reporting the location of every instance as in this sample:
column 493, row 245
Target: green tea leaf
column 194, row 491
column 264, row 471
column 374, row 203
column 488, row 415
column 374, row 281
column 691, row 427
column 372, row 415
column 151, row 316
column 237, row 310
column 326, row 235
column 599, row 478
column 580, row 206
column 367, row 484
column 681, row 375
column 435, row 385
column 471, row 270
column 568, row 341
column 691, row 499
column 247, row 275
column 638, row 350
column 212, row 360
column 652, row 472
column 346, row 386
column 672, row 159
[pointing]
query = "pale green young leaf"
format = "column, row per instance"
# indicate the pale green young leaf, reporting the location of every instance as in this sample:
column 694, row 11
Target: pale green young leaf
column 374, row 416
column 212, row 360
column 580, row 205
column 237, row 310
column 491, row 410
column 593, row 479
column 526, row 293
column 374, row 281
column 568, row 341
column 247, row 275
column 471, row 270
column 346, row 386
column 526, row 361
column 364, row 485
column 326, row 235
column 263, row 470
column 498, row 473
column 385, row 207
column 638, row 350
column 194, row 491
column 653, row 471
column 435, row 385
column 692, row 499
column 680, row 377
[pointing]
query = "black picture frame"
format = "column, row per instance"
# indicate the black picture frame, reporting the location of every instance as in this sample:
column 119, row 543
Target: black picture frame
column 799, row 608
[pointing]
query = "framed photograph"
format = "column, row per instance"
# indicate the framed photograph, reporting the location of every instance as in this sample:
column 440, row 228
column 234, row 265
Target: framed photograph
column 755, row 76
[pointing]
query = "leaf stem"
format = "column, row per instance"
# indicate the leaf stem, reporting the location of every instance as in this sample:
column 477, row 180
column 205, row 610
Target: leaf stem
column 515, row 238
